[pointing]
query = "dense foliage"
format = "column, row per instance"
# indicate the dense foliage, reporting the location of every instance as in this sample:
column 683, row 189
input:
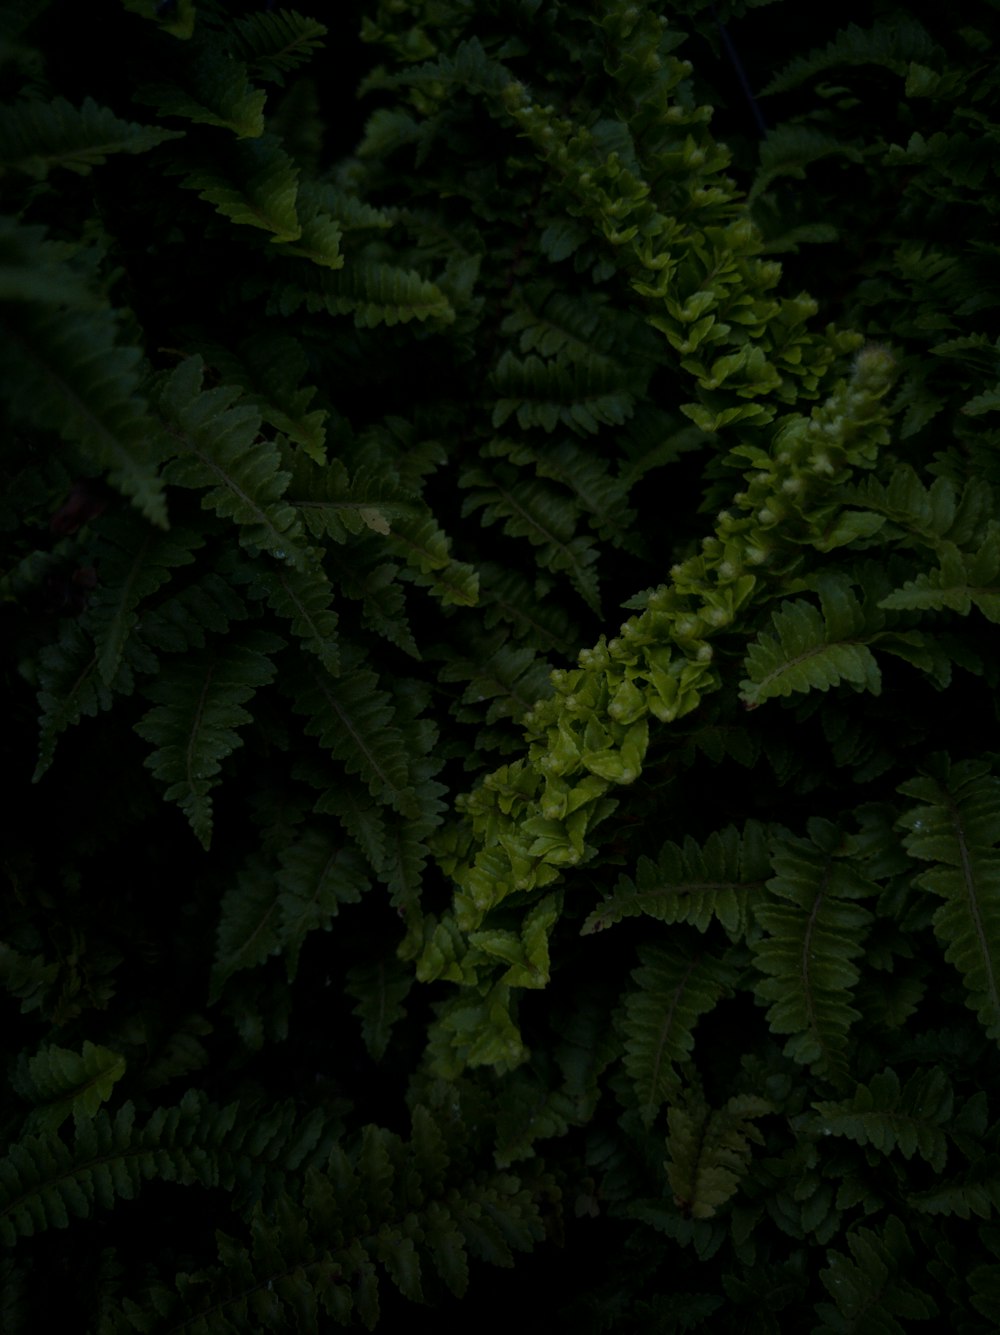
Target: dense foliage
column 379, row 906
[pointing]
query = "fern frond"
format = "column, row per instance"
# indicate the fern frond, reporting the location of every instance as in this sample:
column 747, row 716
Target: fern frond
column 269, row 368
column 788, row 150
column 352, row 213
column 352, row 717
column 506, row 595
column 812, row 649
column 46, row 1181
column 891, row 45
column 814, row 933
column 198, row 705
column 255, row 185
column 220, row 455
column 359, row 814
column 322, row 233
column 693, row 883
column 427, row 551
column 550, row 321
column 405, row 1211
column 931, row 514
column 336, row 506
column 317, row 875
column 383, row 605
column 709, row 1149
column 601, row 496
column 372, row 291
column 380, row 988
column 65, row 372
column 27, row 977
column 304, row 598
column 557, row 1090
column 530, row 509
column 580, row 395
column 216, row 91
column 869, row 1288
column 955, row 827
column 37, row 136
column 61, row 1083
column 911, row 1118
column 407, row 833
column 35, row 268
column 273, row 43
column 674, row 986
column 180, row 622
column 270, row 910
column 71, row 686
column 178, row 18
column 962, row 581
column 133, row 562
column 507, row 680
column 976, row 1192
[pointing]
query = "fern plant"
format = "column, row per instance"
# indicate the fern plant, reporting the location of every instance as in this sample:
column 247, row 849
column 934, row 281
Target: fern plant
column 399, row 910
